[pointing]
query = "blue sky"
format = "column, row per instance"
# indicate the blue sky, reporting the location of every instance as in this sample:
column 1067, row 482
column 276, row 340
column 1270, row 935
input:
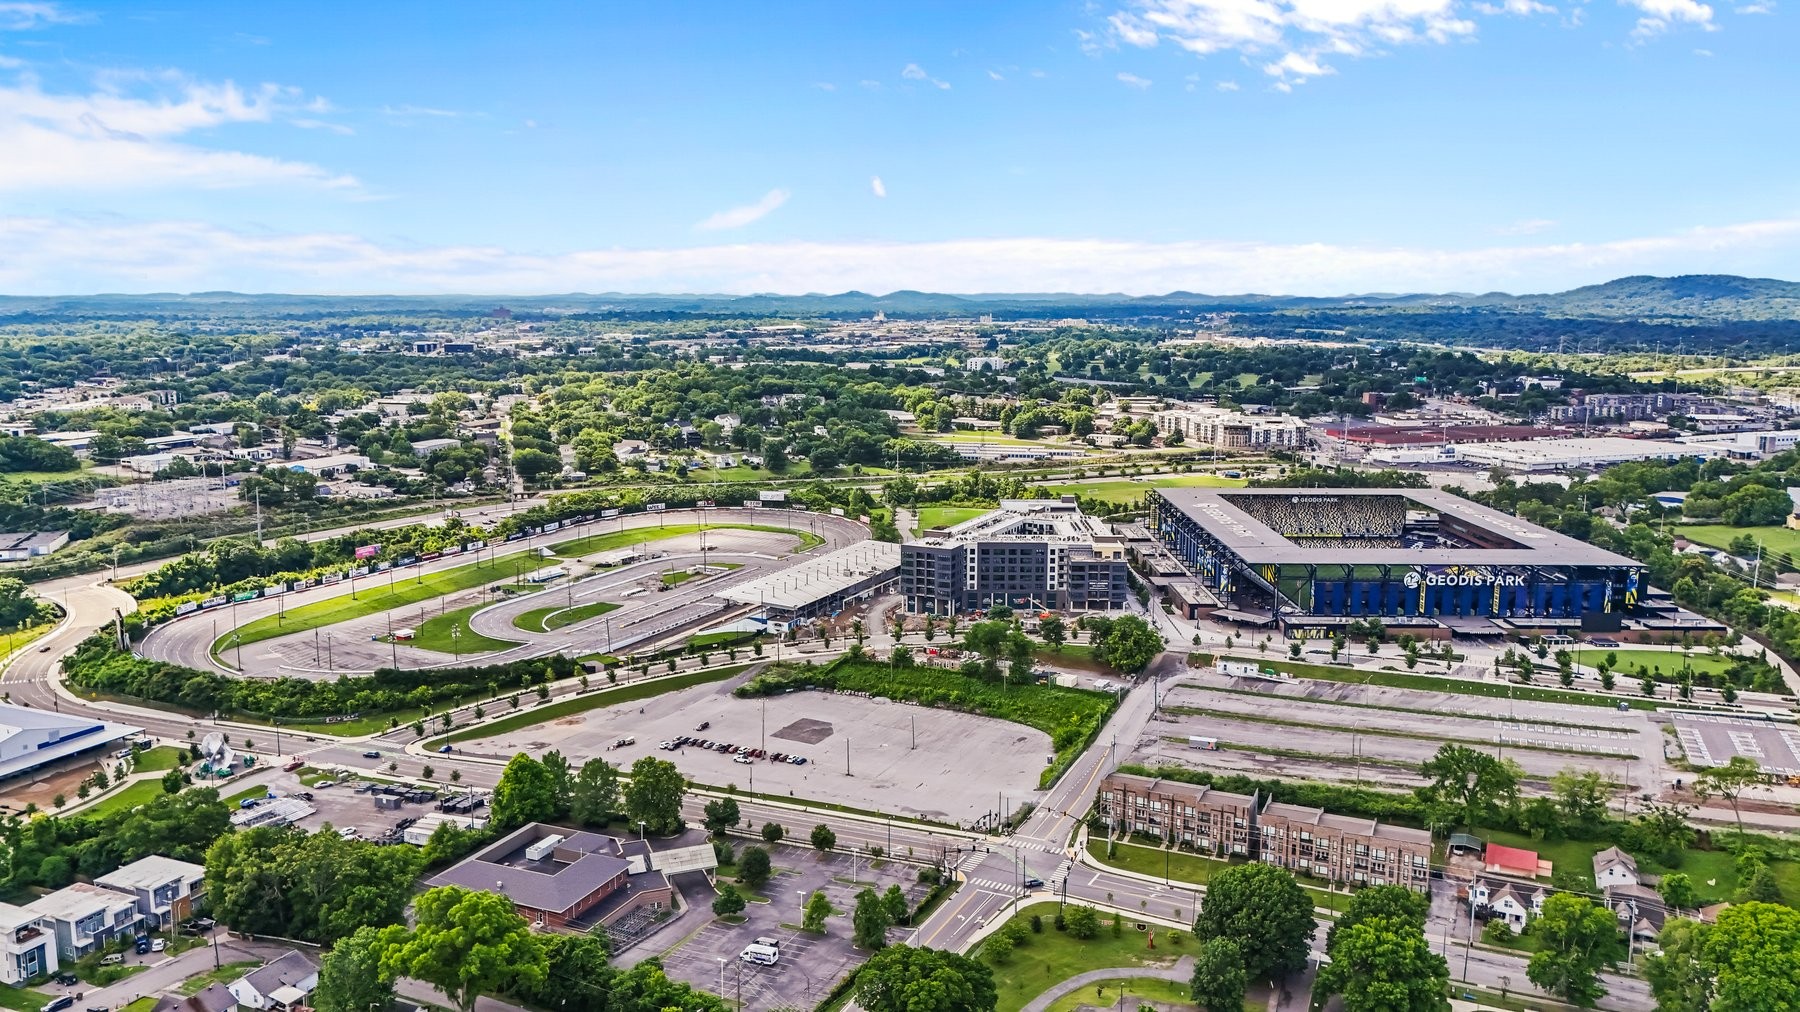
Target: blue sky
column 1308, row 146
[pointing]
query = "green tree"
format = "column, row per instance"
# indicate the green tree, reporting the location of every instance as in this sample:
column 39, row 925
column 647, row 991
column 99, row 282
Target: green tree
column 653, row 797
column 562, row 778
column 1581, row 795
column 468, row 944
column 869, row 921
column 1474, row 780
column 594, row 797
column 526, row 793
column 895, row 902
column 1729, row 781
column 1680, row 977
column 1576, row 939
column 171, row 781
column 1384, row 964
column 772, row 832
column 823, row 839
column 1129, row 645
column 1219, row 979
column 754, row 867
column 1082, row 922
column 1677, row 890
column 1662, row 833
column 1052, row 630
column 1754, row 950
column 812, row 918
column 351, row 978
column 721, row 814
column 1386, row 901
column 901, row 978
column 1265, row 911
column 729, row 902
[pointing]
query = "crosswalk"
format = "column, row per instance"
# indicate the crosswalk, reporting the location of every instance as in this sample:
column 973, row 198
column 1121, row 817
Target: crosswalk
column 988, row 884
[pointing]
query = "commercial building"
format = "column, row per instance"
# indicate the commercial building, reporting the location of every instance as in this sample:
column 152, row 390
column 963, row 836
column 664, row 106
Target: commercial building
column 1231, row 430
column 27, row 945
column 31, row 545
column 1314, row 559
column 326, row 467
column 559, row 878
column 1028, row 553
column 1747, row 445
column 31, row 739
column 167, row 891
column 1307, row 841
column 1437, row 435
column 85, row 918
column 1543, row 455
column 819, row 586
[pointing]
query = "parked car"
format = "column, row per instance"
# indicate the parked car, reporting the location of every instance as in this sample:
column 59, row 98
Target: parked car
column 704, row 725
column 347, row 832
column 371, row 754
column 291, row 767
column 158, row 945
column 58, row 1004
column 249, row 802
column 746, row 760
column 321, row 785
column 446, row 748
column 143, row 944
column 66, row 979
column 112, row 959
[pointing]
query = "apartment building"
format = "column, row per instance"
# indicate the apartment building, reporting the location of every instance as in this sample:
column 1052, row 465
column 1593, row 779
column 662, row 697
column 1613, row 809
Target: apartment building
column 1029, row 553
column 166, row 890
column 1307, row 841
column 86, row 917
column 1231, row 430
column 27, row 945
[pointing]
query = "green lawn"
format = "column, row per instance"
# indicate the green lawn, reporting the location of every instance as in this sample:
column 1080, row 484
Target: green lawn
column 434, row 634
column 1137, row 991
column 982, row 436
column 223, row 975
column 637, row 536
column 1669, row 661
column 1573, row 857
column 258, row 791
column 377, row 596
column 1775, row 540
column 158, row 759
column 947, row 516
column 1186, row 867
column 140, row 792
column 720, row 639
column 1433, row 683
column 678, row 576
column 547, row 619
column 1051, row 957
column 581, row 704
column 144, row 1004
column 795, row 469
column 1127, row 491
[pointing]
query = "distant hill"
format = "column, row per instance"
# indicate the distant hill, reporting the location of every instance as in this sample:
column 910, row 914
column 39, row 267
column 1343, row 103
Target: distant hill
column 1698, row 298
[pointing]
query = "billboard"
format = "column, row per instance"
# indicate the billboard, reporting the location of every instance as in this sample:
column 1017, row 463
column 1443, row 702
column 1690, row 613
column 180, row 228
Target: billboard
column 368, row 551
column 655, row 507
column 608, row 514
column 776, row 495
column 705, row 503
column 187, row 607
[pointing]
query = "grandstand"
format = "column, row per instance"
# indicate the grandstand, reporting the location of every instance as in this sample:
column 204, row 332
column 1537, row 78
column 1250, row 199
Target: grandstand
column 1316, row 558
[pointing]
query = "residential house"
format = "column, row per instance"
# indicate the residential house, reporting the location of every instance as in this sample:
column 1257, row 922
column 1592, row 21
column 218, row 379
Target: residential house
column 86, row 918
column 1613, row 867
column 1511, row 902
column 727, row 422
column 27, row 945
column 1498, row 859
column 167, row 891
column 629, row 448
column 1640, row 910
column 214, row 998
column 283, row 984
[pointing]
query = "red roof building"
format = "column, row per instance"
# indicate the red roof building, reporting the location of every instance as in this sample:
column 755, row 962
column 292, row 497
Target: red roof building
column 1519, row 863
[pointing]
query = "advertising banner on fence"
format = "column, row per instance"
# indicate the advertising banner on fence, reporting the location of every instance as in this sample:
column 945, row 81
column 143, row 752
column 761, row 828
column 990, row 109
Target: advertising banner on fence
column 608, row 514
column 368, row 551
column 187, row 607
column 777, row 495
column 655, row 507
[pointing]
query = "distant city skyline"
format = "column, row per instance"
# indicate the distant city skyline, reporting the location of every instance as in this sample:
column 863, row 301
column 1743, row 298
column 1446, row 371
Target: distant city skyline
column 1308, row 147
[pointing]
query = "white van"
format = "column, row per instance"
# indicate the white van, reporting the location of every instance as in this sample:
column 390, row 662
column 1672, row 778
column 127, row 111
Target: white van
column 762, row 955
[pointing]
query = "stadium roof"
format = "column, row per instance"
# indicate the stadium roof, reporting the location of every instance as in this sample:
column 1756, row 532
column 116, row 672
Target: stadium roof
column 813, row 579
column 1256, row 542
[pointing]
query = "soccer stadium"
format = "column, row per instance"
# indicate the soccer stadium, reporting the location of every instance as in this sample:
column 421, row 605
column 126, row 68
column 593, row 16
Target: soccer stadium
column 1318, row 558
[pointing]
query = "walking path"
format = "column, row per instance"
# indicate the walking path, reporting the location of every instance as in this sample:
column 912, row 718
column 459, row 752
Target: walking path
column 1182, row 971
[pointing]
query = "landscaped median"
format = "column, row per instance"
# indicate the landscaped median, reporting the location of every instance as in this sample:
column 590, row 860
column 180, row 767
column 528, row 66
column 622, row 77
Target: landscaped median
column 543, row 620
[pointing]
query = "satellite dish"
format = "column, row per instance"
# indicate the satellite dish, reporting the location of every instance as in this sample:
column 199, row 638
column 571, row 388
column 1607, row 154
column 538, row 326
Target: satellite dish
column 212, row 744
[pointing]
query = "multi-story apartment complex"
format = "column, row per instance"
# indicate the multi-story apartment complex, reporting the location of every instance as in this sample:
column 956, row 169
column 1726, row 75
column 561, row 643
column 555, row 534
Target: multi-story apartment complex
column 1231, row 430
column 86, row 918
column 27, row 944
column 1304, row 840
column 1028, row 553
column 166, row 890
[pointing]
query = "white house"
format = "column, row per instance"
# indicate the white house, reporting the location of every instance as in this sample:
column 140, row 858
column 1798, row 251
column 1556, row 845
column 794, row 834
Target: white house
column 282, row 984
column 1511, row 902
column 27, row 945
column 166, row 890
column 86, row 917
column 1613, row 867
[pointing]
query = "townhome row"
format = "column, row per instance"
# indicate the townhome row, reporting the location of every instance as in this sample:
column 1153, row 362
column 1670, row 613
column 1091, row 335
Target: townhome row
column 61, row 927
column 1308, row 841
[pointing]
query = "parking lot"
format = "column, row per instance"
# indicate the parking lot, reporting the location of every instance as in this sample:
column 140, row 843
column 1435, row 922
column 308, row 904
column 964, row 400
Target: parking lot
column 810, row 965
column 343, row 806
column 871, row 754
column 1713, row 741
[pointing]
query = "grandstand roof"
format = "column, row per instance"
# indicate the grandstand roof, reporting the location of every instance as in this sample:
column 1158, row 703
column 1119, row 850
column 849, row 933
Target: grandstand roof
column 1256, row 542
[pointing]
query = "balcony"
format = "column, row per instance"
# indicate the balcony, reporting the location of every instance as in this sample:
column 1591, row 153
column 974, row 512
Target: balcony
column 27, row 934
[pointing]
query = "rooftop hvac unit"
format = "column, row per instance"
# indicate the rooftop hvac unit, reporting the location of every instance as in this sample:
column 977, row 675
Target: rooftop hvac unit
column 543, row 848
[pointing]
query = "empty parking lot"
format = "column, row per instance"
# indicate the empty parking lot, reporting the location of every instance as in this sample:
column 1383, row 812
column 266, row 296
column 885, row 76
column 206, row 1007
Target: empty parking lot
column 1713, row 741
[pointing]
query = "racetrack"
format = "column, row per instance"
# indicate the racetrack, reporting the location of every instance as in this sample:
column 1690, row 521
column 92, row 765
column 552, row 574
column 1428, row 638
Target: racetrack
column 353, row 646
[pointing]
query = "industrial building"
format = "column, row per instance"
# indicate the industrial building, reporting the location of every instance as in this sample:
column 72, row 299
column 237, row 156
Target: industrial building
column 1315, row 559
column 1028, row 553
column 32, row 739
column 822, row 585
column 1594, row 453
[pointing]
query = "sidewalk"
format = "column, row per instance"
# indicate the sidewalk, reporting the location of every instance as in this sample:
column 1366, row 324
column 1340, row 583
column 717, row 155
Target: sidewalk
column 1182, row 971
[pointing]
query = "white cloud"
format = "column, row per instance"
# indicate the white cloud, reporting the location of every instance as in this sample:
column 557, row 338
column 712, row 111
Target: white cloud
column 18, row 16
column 125, row 135
column 1311, row 29
column 877, row 187
column 995, row 75
column 1529, row 226
column 1661, row 15
column 58, row 256
column 408, row 111
column 1767, row 7
column 1703, row 52
column 738, row 217
column 913, row 72
column 1227, row 86
column 319, row 124
column 824, row 86
column 1132, row 80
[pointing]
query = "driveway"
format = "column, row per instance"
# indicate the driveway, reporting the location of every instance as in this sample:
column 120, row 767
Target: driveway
column 169, row 972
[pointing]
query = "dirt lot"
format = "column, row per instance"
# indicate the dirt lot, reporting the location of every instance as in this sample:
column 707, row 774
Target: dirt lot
column 960, row 768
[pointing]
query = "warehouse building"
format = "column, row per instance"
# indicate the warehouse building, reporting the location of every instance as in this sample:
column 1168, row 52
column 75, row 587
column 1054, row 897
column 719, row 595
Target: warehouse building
column 1028, row 553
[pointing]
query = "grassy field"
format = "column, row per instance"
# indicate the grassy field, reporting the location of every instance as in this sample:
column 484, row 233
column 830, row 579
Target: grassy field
column 581, row 704
column 1775, row 540
column 140, row 792
column 1126, row 490
column 678, row 576
column 983, row 436
column 1051, row 957
column 626, row 538
column 434, row 634
column 548, row 619
column 158, row 759
column 1185, row 867
column 946, row 516
column 223, row 975
column 1669, row 661
column 1433, row 683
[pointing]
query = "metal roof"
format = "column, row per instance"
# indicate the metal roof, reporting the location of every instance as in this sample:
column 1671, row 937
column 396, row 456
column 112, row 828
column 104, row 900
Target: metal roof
column 1256, row 542
column 813, row 579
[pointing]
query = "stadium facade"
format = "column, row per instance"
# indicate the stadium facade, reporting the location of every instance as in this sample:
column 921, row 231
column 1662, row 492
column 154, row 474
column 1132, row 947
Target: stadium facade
column 1040, row 553
column 1322, row 557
